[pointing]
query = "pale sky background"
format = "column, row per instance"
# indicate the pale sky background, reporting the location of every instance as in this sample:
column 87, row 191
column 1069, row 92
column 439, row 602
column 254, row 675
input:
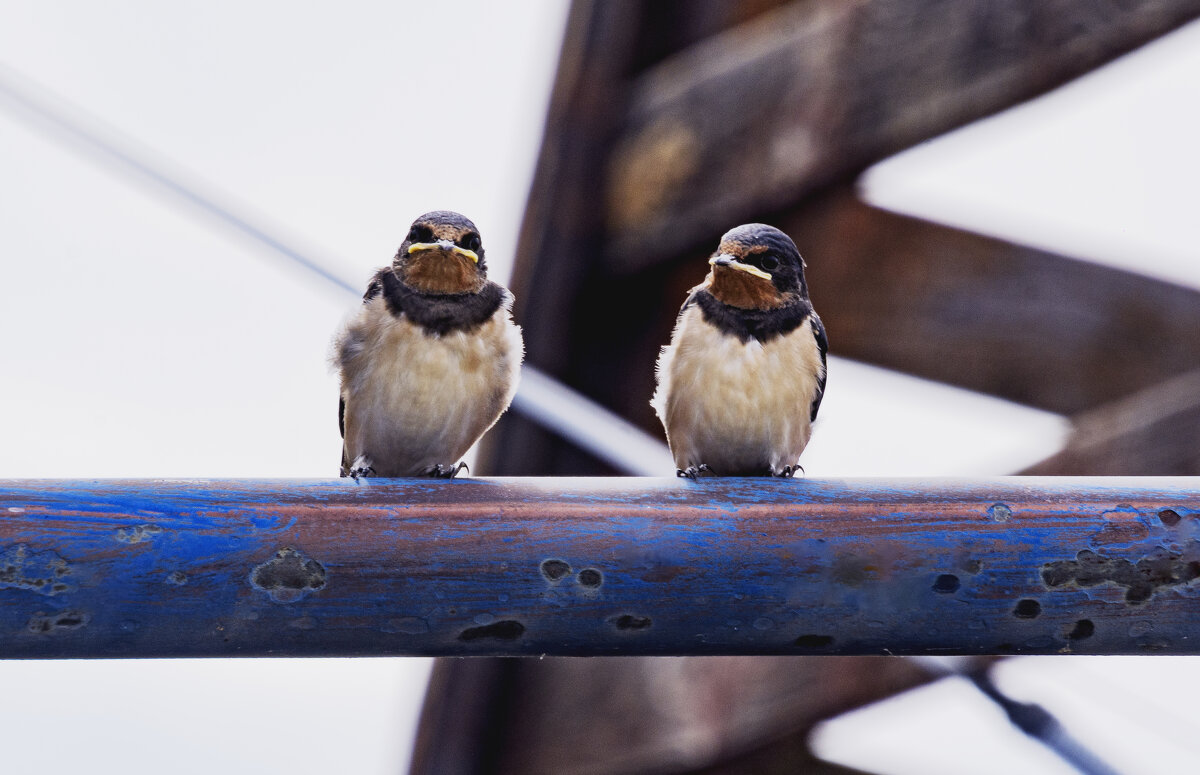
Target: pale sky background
column 139, row 341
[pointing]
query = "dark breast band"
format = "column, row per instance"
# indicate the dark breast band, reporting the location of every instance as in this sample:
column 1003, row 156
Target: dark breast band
column 437, row 313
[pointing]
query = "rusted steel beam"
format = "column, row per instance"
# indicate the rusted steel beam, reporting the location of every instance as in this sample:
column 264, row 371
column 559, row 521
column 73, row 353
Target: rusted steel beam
column 598, row 566
column 1153, row 431
column 1031, row 326
column 751, row 120
column 562, row 223
column 629, row 715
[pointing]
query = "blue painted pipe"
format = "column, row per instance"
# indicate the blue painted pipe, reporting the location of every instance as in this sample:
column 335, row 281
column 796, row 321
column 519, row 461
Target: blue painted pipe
column 153, row 568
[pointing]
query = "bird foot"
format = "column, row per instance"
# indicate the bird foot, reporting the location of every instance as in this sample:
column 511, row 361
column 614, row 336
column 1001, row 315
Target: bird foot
column 361, row 472
column 789, row 471
column 693, row 472
column 447, row 472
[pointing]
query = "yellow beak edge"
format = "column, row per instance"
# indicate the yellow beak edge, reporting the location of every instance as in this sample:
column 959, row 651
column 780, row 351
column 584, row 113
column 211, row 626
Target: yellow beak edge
column 747, row 268
column 419, row 246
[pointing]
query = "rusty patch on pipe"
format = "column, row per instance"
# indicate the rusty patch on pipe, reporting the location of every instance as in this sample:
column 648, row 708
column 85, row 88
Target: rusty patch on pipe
column 628, row 622
column 1121, row 533
column 946, row 584
column 1027, row 609
column 660, row 574
column 555, row 570
column 1141, row 579
column 505, row 629
column 137, row 534
column 44, row 624
column 1083, row 629
column 40, row 572
column 590, row 577
column 288, row 577
column 1169, row 517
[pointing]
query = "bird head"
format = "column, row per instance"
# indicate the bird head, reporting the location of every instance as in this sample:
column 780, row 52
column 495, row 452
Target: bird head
column 442, row 254
column 756, row 267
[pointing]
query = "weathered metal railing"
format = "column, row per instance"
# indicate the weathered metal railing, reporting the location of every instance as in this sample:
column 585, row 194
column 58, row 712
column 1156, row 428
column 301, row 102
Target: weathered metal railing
column 598, row 566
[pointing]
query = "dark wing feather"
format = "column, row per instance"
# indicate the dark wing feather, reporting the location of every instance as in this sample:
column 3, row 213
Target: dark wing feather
column 374, row 288
column 345, row 467
column 818, row 329
column 689, row 301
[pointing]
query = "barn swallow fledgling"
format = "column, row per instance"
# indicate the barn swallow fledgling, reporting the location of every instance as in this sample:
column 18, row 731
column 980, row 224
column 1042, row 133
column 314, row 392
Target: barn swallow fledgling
column 740, row 384
column 430, row 360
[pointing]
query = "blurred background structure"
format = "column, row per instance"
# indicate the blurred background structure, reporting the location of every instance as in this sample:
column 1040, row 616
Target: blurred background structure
column 141, row 343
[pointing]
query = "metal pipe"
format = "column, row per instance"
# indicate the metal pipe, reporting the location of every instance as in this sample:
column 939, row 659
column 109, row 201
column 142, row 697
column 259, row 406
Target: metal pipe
column 598, row 566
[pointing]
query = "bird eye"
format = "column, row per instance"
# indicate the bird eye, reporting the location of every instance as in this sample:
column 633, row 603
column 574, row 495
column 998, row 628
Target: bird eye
column 769, row 262
column 472, row 242
column 420, row 234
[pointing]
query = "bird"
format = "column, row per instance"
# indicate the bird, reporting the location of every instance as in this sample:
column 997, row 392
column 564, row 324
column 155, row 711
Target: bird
column 431, row 358
column 742, row 379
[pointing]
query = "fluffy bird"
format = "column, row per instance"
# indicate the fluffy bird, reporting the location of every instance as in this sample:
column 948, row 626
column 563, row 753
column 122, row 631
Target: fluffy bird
column 430, row 360
column 742, row 379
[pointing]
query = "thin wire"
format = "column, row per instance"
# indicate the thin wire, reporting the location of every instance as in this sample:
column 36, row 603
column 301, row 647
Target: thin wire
column 590, row 426
column 97, row 137
column 540, row 397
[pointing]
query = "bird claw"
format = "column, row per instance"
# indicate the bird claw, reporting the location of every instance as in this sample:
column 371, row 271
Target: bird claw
column 693, row 472
column 360, row 472
column 447, row 472
column 789, row 471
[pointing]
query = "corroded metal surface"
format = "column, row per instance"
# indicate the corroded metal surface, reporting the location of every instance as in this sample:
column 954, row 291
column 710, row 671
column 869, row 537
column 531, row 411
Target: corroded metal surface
column 598, row 566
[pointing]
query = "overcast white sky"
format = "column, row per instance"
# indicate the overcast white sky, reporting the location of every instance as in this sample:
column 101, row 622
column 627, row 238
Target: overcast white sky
column 140, row 342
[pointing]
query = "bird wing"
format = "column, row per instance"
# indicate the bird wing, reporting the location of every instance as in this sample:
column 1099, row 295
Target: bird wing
column 689, row 301
column 818, row 329
column 345, row 468
column 374, row 288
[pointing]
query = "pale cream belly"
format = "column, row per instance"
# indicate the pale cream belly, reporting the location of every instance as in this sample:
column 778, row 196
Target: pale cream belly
column 420, row 401
column 738, row 407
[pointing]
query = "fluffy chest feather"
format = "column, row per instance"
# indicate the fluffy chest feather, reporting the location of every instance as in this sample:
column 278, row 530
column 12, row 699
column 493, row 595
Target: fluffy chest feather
column 737, row 406
column 415, row 399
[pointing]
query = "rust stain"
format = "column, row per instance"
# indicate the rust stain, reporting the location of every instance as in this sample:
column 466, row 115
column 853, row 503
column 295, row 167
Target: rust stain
column 1162, row 569
column 43, row 624
column 137, row 534
column 40, row 572
column 627, row 622
column 288, row 577
column 506, row 629
column 1121, row 533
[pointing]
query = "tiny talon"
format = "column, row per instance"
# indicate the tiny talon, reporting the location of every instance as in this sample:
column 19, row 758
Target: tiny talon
column 361, row 472
column 447, row 472
column 692, row 472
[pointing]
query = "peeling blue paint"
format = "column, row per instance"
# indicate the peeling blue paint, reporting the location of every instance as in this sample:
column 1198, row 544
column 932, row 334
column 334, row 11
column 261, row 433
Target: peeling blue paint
column 652, row 566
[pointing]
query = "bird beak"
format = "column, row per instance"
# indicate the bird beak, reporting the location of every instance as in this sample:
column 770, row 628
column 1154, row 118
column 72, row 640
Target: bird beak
column 724, row 259
column 446, row 246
